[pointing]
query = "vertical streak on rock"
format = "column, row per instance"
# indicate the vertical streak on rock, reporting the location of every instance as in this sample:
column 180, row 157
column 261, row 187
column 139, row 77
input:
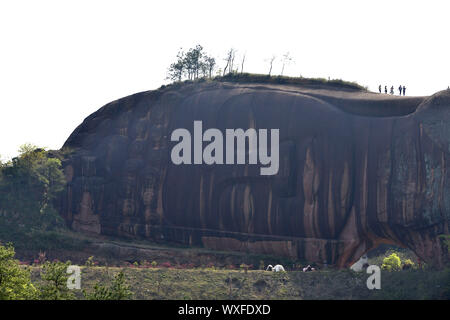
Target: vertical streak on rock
column 86, row 220
column 248, row 209
column 210, row 199
column 269, row 212
column 308, row 182
column 234, row 219
column 345, row 191
column 383, row 175
column 315, row 187
column 201, row 200
column 160, row 208
column 331, row 212
column 317, row 232
column 442, row 188
column 362, row 176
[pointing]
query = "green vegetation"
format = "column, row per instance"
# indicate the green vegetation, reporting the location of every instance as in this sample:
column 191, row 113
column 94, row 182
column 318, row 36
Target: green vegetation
column 266, row 79
column 445, row 240
column 15, row 282
column 54, row 276
column 90, row 262
column 395, row 259
column 205, row 283
column 48, row 281
column 391, row 263
column 29, row 184
column 261, row 78
column 118, row 290
column 193, row 64
column 378, row 255
column 408, row 264
column 196, row 65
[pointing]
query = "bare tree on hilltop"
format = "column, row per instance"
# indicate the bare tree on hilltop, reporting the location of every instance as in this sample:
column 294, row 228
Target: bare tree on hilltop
column 230, row 61
column 271, row 60
column 209, row 64
column 242, row 64
column 287, row 59
column 196, row 63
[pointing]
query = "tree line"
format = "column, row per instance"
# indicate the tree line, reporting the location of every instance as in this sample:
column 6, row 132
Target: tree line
column 16, row 284
column 29, row 184
column 195, row 63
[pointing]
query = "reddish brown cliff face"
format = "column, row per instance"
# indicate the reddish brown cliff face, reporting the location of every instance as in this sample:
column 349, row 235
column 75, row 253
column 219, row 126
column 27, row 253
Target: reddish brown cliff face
column 346, row 182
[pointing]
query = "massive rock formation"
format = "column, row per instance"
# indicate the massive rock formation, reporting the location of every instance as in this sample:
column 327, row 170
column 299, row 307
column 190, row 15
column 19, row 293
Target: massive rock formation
column 356, row 169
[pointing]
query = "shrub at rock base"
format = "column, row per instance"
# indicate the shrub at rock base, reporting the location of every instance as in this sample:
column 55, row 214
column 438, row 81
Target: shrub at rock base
column 391, row 263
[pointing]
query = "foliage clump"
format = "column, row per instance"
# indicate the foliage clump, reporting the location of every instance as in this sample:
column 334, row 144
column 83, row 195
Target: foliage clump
column 391, row 263
column 118, row 290
column 408, row 264
column 29, row 184
column 191, row 65
column 90, row 262
column 54, row 275
column 15, row 282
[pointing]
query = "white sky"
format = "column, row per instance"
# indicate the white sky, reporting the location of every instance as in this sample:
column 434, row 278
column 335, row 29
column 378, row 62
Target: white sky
column 62, row 60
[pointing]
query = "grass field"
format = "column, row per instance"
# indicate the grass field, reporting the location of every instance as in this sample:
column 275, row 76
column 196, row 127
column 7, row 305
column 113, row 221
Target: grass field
column 187, row 284
column 162, row 271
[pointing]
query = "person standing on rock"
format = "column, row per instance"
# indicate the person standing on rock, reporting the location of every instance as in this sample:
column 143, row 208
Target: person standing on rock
column 379, row 88
column 392, row 90
column 400, row 90
column 385, row 89
column 404, row 90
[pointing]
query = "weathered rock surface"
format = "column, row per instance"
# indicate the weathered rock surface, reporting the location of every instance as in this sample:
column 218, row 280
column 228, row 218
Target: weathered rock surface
column 348, row 180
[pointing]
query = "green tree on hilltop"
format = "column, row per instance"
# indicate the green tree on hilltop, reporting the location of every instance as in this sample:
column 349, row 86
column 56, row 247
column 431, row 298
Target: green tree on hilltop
column 177, row 69
column 192, row 65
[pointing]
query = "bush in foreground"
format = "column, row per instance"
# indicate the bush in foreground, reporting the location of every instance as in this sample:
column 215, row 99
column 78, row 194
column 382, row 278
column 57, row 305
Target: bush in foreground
column 54, row 275
column 15, row 282
column 391, row 263
column 118, row 290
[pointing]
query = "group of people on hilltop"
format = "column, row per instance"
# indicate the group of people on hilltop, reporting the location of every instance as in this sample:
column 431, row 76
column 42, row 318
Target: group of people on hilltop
column 400, row 90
